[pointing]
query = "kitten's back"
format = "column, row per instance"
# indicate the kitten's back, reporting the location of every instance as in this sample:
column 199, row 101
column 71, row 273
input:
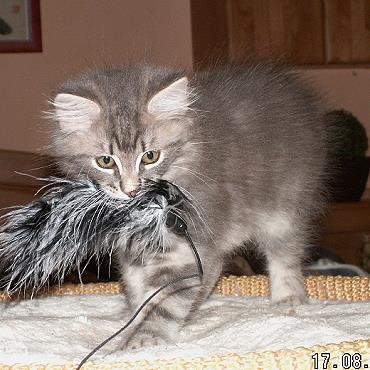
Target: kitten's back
column 270, row 131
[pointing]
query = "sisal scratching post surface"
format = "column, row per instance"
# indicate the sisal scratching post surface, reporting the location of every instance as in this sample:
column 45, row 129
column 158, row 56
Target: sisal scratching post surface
column 347, row 289
column 317, row 287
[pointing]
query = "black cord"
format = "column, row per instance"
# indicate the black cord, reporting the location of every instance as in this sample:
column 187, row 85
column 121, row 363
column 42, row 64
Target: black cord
column 197, row 257
column 172, row 282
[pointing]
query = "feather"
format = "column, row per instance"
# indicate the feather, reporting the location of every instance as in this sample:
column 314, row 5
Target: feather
column 74, row 221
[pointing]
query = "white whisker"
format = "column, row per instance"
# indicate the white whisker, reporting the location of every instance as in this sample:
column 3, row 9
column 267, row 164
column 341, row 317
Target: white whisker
column 194, row 174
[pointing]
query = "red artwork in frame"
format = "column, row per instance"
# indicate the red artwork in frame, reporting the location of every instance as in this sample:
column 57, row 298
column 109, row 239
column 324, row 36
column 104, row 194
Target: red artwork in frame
column 20, row 26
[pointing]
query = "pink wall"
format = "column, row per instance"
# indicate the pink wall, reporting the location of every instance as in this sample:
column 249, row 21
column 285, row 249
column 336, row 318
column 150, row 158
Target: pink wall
column 77, row 34
column 347, row 88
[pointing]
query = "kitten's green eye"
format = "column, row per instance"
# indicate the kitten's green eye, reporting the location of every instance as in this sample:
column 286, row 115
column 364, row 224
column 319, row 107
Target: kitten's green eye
column 105, row 161
column 150, row 157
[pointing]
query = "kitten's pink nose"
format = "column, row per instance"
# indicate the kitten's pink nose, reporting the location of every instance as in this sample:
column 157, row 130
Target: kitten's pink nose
column 132, row 194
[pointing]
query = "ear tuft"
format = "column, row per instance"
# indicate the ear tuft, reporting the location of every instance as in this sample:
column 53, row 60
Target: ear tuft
column 74, row 113
column 172, row 101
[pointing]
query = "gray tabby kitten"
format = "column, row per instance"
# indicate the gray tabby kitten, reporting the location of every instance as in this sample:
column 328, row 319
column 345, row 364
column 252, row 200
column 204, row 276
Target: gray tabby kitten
column 246, row 144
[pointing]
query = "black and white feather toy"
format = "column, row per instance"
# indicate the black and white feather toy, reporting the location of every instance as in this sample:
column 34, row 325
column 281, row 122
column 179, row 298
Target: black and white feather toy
column 74, row 221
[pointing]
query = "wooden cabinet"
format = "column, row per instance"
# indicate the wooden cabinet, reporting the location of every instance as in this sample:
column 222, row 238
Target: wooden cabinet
column 17, row 189
column 286, row 29
column 299, row 32
column 347, row 31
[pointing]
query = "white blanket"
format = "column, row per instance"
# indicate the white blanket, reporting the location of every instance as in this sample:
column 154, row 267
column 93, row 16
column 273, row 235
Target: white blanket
column 64, row 329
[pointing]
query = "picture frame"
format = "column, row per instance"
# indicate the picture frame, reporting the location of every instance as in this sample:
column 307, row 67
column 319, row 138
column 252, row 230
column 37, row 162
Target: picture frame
column 20, row 26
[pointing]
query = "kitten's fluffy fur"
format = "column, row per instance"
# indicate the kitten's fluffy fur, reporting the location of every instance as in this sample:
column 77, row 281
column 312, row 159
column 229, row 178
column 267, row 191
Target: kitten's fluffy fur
column 246, row 144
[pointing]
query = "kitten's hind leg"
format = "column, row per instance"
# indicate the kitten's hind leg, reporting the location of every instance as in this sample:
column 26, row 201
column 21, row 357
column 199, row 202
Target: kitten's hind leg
column 284, row 255
column 286, row 278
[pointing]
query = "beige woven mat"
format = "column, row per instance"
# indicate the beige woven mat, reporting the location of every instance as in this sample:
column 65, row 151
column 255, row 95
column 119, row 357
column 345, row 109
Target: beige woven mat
column 318, row 287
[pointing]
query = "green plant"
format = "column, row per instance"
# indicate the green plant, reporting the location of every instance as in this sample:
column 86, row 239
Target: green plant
column 351, row 139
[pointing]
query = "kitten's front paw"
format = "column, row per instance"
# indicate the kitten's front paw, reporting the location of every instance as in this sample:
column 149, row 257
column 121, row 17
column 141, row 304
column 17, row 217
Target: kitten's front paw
column 286, row 305
column 140, row 340
column 292, row 300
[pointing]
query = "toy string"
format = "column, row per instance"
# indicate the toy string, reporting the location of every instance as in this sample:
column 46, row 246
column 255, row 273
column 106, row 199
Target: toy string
column 170, row 283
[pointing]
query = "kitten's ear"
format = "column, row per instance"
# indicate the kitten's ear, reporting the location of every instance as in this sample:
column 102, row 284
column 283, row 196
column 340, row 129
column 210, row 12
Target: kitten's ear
column 74, row 113
column 173, row 100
